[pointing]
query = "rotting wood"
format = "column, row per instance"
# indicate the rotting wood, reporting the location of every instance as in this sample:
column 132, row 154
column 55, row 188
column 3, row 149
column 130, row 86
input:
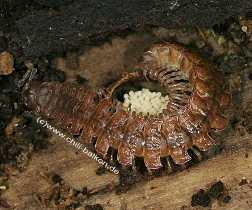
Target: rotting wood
column 56, row 27
column 167, row 192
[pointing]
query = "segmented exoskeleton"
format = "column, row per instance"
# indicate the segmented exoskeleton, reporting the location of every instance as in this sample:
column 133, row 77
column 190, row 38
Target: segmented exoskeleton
column 197, row 98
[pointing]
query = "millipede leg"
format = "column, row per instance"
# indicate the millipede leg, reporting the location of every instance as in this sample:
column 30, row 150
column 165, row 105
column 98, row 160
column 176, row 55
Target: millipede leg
column 134, row 168
column 150, row 172
column 183, row 166
column 169, row 165
column 111, row 157
column 197, row 153
column 28, row 76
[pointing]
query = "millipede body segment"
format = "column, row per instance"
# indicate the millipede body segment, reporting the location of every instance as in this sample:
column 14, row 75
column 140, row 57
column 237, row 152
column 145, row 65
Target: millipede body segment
column 196, row 99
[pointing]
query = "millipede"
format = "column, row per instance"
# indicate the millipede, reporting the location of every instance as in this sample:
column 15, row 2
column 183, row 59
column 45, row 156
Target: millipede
column 196, row 99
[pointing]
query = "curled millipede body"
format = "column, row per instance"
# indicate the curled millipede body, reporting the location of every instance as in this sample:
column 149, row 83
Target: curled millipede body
column 196, row 100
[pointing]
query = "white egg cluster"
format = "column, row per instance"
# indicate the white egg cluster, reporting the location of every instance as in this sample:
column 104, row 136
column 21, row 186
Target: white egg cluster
column 146, row 102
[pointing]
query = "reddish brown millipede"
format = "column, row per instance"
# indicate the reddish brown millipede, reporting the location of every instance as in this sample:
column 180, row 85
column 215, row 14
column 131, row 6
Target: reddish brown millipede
column 196, row 101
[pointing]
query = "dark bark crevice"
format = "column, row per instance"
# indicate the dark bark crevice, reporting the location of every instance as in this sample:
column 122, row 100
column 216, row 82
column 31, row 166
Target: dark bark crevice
column 41, row 27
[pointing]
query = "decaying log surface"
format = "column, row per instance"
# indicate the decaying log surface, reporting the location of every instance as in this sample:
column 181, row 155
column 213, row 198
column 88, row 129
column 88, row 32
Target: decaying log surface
column 175, row 191
column 77, row 170
column 48, row 26
column 167, row 192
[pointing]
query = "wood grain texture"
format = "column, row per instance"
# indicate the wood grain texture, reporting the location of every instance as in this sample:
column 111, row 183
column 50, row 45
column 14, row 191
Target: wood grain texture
column 167, row 192
column 172, row 192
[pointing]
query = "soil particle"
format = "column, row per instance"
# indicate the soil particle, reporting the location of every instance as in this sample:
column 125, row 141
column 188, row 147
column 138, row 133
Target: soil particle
column 246, row 26
column 20, row 141
column 94, row 207
column 227, row 199
column 238, row 36
column 216, row 190
column 23, row 158
column 10, row 128
column 243, row 182
column 6, row 63
column 217, row 194
column 61, row 195
column 201, row 198
column 127, row 178
column 56, row 178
